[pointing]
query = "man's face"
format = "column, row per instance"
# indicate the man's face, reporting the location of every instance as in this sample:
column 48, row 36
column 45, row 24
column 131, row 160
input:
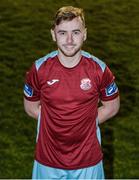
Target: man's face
column 69, row 36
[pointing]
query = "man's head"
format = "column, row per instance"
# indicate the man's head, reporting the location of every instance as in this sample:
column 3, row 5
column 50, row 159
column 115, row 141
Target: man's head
column 68, row 13
column 69, row 30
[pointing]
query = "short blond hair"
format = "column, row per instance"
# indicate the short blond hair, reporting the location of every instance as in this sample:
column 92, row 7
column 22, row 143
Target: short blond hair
column 67, row 13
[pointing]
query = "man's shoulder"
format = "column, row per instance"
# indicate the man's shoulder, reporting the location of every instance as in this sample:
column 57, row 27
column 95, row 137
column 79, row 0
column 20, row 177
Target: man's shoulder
column 94, row 59
column 43, row 59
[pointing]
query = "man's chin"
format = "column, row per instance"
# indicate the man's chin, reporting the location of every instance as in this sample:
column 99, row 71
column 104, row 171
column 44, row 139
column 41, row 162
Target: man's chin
column 70, row 53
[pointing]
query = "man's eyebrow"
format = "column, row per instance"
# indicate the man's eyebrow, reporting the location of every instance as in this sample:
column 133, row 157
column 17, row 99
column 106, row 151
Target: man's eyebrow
column 72, row 30
column 61, row 31
column 76, row 30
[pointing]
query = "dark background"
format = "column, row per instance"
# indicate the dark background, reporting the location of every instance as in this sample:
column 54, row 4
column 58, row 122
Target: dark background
column 113, row 36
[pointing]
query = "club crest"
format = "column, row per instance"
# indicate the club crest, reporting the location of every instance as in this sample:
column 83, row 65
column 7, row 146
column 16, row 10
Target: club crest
column 85, row 84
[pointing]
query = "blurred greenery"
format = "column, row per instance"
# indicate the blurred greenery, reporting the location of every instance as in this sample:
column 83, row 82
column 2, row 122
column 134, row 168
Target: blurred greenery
column 113, row 36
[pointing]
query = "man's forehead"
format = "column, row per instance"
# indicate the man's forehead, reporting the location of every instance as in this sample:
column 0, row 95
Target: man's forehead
column 75, row 23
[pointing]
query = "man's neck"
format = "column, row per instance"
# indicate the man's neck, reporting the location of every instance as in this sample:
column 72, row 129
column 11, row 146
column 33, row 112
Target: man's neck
column 68, row 61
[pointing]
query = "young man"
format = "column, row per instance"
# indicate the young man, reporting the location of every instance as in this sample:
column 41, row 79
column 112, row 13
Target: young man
column 62, row 91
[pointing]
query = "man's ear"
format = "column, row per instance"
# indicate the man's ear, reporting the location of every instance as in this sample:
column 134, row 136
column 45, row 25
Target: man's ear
column 53, row 35
column 85, row 34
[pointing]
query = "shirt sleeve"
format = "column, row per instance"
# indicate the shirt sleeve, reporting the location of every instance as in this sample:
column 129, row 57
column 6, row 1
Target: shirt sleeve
column 108, row 89
column 32, row 87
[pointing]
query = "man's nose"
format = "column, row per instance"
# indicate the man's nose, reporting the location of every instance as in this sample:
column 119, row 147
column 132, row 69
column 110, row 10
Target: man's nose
column 69, row 38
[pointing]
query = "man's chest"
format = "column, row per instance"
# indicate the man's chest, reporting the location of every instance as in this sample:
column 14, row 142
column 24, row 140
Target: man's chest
column 58, row 86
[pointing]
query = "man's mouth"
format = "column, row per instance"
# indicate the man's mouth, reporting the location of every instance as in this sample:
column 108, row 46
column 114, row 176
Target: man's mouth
column 69, row 46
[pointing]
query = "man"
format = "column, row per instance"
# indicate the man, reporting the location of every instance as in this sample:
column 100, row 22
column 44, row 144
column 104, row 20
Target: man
column 62, row 91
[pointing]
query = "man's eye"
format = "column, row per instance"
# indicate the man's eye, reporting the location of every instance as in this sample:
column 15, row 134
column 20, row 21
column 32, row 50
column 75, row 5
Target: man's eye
column 62, row 33
column 76, row 32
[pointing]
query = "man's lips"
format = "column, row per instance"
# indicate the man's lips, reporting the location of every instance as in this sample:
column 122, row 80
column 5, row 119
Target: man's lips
column 69, row 46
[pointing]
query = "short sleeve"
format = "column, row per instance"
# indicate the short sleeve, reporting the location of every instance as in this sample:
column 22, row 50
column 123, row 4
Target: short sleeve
column 32, row 87
column 108, row 88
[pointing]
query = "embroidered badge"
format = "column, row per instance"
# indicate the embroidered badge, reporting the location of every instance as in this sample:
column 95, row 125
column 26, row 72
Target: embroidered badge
column 28, row 91
column 111, row 89
column 85, row 84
